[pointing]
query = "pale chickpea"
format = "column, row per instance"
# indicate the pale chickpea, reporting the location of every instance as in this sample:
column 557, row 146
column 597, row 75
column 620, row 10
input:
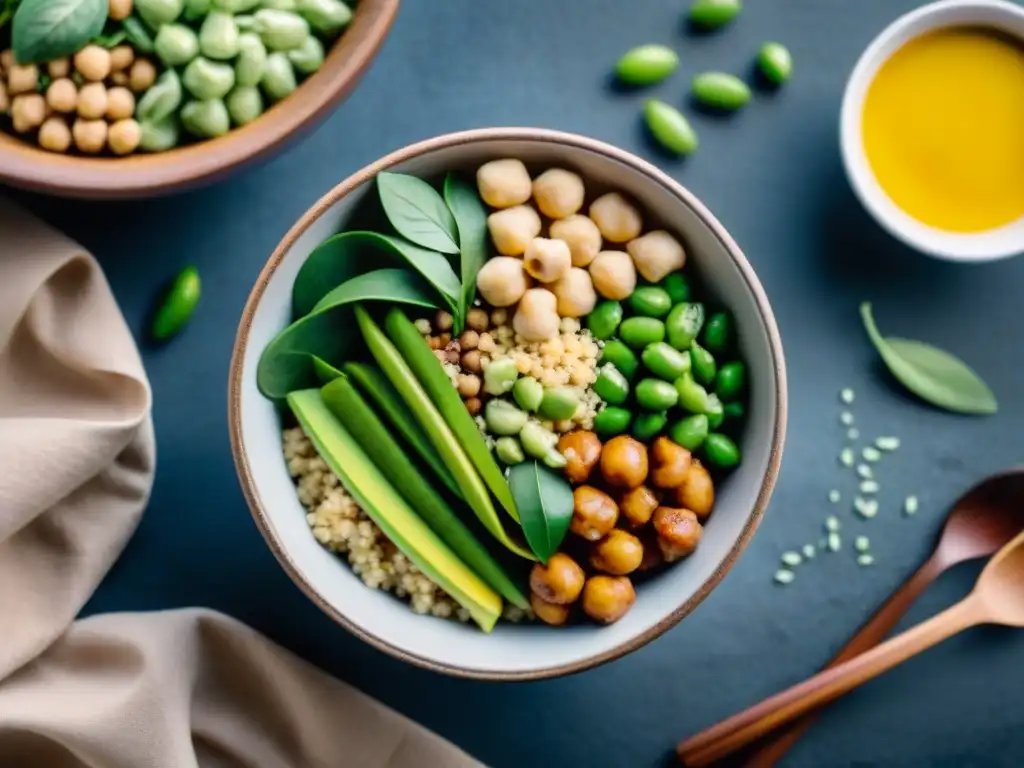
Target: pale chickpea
column 670, row 463
column 121, row 57
column 124, row 137
column 656, row 255
column 678, row 530
column 62, row 95
column 582, row 236
column 608, row 598
column 558, row 582
column 638, row 505
column 22, row 79
column 575, row 293
column 550, row 613
column 513, row 228
column 92, row 101
column 613, row 274
column 120, row 104
column 547, row 260
column 536, row 318
column 477, row 320
column 618, row 220
column 697, row 491
column 142, row 75
column 54, row 135
column 59, row 67
column 90, row 135
column 558, row 193
column 119, row 10
column 503, row 183
column 594, row 513
column 93, row 62
column 28, row 110
column 618, row 553
column 501, row 281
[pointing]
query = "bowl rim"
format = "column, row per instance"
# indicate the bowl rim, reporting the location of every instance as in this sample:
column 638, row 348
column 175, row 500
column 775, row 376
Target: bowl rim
column 28, row 167
column 470, row 137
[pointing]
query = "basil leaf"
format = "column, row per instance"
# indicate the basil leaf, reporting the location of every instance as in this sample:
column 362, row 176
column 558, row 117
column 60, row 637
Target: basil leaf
column 931, row 373
column 48, row 29
column 418, row 212
column 314, row 345
column 471, row 220
column 544, row 500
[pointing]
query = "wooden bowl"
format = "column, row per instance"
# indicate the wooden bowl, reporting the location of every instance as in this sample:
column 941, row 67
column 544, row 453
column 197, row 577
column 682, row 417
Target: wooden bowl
column 149, row 175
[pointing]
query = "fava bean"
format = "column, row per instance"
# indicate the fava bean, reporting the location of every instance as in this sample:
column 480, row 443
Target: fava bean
column 326, row 16
column 664, row 361
column 733, row 410
column 647, row 64
column 244, row 103
column 650, row 301
column 159, row 135
column 604, row 321
column 702, row 363
column 529, row 393
column 503, row 418
column 715, row 412
column 712, row 14
column 721, row 91
column 638, row 332
column 670, row 128
column 278, row 77
column 176, row 45
column 684, row 323
column 731, row 380
column 690, row 432
column 309, row 57
column 612, row 421
column 721, row 451
column 207, row 79
column 160, row 101
column 196, row 9
column 718, row 332
column 692, row 396
column 178, row 305
column 206, row 119
column 678, row 287
column 157, row 13
column 559, row 403
column 218, row 37
column 280, row 30
column 648, row 426
column 500, row 376
column 621, row 356
column 509, row 451
column 656, row 395
column 611, row 385
column 252, row 59
column 775, row 62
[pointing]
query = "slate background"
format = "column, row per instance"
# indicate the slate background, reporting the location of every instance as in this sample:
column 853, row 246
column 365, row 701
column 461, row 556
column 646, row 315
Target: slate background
column 772, row 175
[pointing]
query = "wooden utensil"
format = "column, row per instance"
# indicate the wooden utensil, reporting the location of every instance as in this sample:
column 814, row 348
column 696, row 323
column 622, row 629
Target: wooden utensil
column 980, row 523
column 997, row 598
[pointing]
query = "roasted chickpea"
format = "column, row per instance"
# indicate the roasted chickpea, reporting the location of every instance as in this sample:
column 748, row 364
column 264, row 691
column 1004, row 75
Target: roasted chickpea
column 624, row 462
column 121, row 58
column 618, row 553
column 669, row 463
column 607, row 598
column 471, row 361
column 652, row 551
column 504, row 183
column 62, row 95
column 474, row 405
column 678, row 530
column 90, row 135
column 618, row 220
column 638, row 505
column 54, row 135
column 550, row 613
column 142, row 75
column 697, row 491
column 582, row 451
column 120, row 104
column 468, row 385
column 477, row 320
column 594, row 513
column 93, row 62
column 558, row 582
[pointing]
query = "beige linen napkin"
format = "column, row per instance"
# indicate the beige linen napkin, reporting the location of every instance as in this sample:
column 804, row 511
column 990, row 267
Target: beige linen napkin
column 172, row 689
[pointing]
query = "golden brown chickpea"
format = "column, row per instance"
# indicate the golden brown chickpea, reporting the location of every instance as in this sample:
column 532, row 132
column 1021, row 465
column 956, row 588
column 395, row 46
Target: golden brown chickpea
column 607, row 598
column 28, row 110
column 558, row 582
column 54, row 135
column 469, row 340
column 93, row 62
column 618, row 553
column 594, row 513
column 142, row 75
column 62, row 95
column 471, row 361
column 652, row 552
column 679, row 532
column 697, row 491
column 474, row 405
column 59, row 67
column 90, row 135
column 119, row 10
column 22, row 78
column 549, row 613
column 582, row 451
column 120, row 104
column 121, row 58
column 624, row 462
column 670, row 463
column 92, row 101
column 468, row 385
column 124, row 136
column 638, row 505
column 477, row 320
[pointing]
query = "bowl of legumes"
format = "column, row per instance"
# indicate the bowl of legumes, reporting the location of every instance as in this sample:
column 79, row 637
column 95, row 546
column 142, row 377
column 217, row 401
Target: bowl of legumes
column 129, row 98
column 507, row 403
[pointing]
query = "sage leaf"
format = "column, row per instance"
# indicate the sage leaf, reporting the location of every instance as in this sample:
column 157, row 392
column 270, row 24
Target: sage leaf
column 289, row 361
column 471, row 220
column 932, row 374
column 418, row 212
column 48, row 29
column 545, row 503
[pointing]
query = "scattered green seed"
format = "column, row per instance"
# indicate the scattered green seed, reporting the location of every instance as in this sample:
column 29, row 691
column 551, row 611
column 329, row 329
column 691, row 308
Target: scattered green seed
column 834, row 542
column 177, row 306
column 862, row 544
column 792, row 558
column 647, row 64
column 834, row 496
column 670, row 128
column 712, row 14
column 846, row 395
column 910, row 505
column 865, row 559
column 775, row 62
column 809, row 551
column 846, row 418
column 831, row 523
column 866, row 508
column 720, row 90
column 868, row 486
column 846, row 457
column 865, row 472
column 871, row 454
column 853, row 433
column 784, row 576
column 887, row 443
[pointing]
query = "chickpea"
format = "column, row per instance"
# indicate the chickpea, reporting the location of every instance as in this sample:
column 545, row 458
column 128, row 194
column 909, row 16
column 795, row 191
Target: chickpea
column 119, row 10
column 618, row 553
column 547, row 260
column 501, row 281
column 624, row 462
column 120, row 79
column 638, row 505
column 504, row 183
column 474, row 405
column 670, row 463
column 550, row 613
column 499, row 317
column 5, row 100
column 121, row 58
column 93, row 62
column 62, row 95
column 477, row 320
column 582, row 236
column 594, row 513
column 558, row 582
column 513, row 228
column 617, row 219
column 558, row 193
column 469, row 385
column 22, row 79
column 7, row 60
column 469, row 340
column 575, row 294
column 59, row 67
column 678, row 531
column 536, row 318
column 90, row 135
column 471, row 361
column 92, row 101
column 120, row 104
column 652, row 552
column 142, row 75
column 656, row 255
column 697, row 491
column 54, row 135
column 28, row 110
column 613, row 274
column 607, row 598
column 582, row 451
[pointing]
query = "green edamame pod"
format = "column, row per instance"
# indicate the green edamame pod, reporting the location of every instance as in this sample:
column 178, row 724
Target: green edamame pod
column 159, row 135
column 692, row 396
column 280, row 30
column 711, row 14
column 500, row 376
column 218, row 37
column 775, row 62
column 611, row 386
column 730, row 380
column 279, row 77
column 244, row 103
column 308, row 57
column 656, row 395
column 207, row 79
column 651, row 301
column 612, row 421
column 715, row 411
column 733, row 410
column 161, row 100
column 176, row 45
column 529, row 393
column 670, row 128
column 206, row 119
column 156, row 13
column 621, row 356
column 646, row 64
column 559, row 403
column 721, row 91
column 690, row 432
column 677, row 286
column 252, row 59
column 648, row 426
column 503, row 418
column 604, row 321
column 325, row 16
column 509, row 451
column 702, row 363
column 664, row 361
column 638, row 332
column 721, row 451
column 718, row 332
column 178, row 305
column 684, row 323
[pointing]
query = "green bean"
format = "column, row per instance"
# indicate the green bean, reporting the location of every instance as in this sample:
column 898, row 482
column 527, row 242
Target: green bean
column 721, row 91
column 509, row 451
column 715, row 411
column 621, row 356
column 702, row 363
column 278, row 78
column 651, row 301
column 559, row 403
column 206, row 118
column 218, row 37
column 605, row 319
column 280, row 30
column 503, row 418
column 721, row 451
column 647, row 64
column 648, row 426
column 678, row 287
column 684, row 323
column 731, row 380
column 712, row 14
column 252, row 59
column 656, row 395
column 664, row 361
column 612, row 421
column 176, row 45
column 178, row 305
column 692, row 396
column 670, row 128
column 244, row 103
column 611, row 385
column 690, row 432
column 529, row 393
column 775, row 62
column 325, row 16
column 309, row 57
column 718, row 333
column 207, row 79
column 500, row 376
column 638, row 332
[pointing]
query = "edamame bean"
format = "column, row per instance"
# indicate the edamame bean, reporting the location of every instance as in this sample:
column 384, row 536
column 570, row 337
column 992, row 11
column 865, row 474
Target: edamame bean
column 611, row 385
column 702, row 363
column 325, row 16
column 731, row 380
column 711, row 14
column 159, row 135
column 178, row 305
column 678, row 287
column 503, row 418
column 279, row 76
column 775, row 62
column 670, row 128
column 218, row 37
column 509, row 451
column 604, row 321
column 500, row 376
column 161, row 100
column 309, row 57
column 647, row 64
column 529, row 393
column 638, row 332
column 252, row 59
column 244, row 103
column 621, row 356
column 650, row 301
column 664, row 361
column 559, row 403
column 207, row 79
column 715, row 412
column 612, row 421
column 721, row 451
column 280, row 30
column 156, row 13
column 718, row 332
column 692, row 396
column 648, row 426
column 176, row 45
column 690, row 432
column 684, row 323
column 206, row 119
column 721, row 91
column 656, row 395
column 733, row 410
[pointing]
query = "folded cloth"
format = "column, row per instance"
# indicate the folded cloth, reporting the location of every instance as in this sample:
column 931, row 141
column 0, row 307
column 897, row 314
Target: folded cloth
column 171, row 689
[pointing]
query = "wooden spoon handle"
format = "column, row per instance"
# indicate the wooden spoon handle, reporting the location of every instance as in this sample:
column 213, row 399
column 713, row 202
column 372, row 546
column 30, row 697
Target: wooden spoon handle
column 739, row 730
column 769, row 751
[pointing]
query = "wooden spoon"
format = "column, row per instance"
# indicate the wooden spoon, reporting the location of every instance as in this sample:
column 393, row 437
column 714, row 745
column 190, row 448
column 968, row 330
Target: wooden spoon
column 997, row 598
column 980, row 523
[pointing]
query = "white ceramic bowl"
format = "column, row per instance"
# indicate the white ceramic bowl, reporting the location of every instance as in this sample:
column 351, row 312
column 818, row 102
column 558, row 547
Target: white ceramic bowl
column 512, row 652
column 998, row 243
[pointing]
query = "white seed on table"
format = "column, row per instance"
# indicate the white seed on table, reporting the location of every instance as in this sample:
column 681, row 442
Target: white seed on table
column 792, row 558
column 865, row 559
column 846, row 457
column 853, row 433
column 846, row 395
column 784, row 576
column 868, row 486
column 862, row 544
column 831, row 523
column 887, row 443
column 834, row 496
column 809, row 551
column 871, row 454
column 866, row 508
column 910, row 505
column 865, row 472
column 846, row 418
column 834, row 542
